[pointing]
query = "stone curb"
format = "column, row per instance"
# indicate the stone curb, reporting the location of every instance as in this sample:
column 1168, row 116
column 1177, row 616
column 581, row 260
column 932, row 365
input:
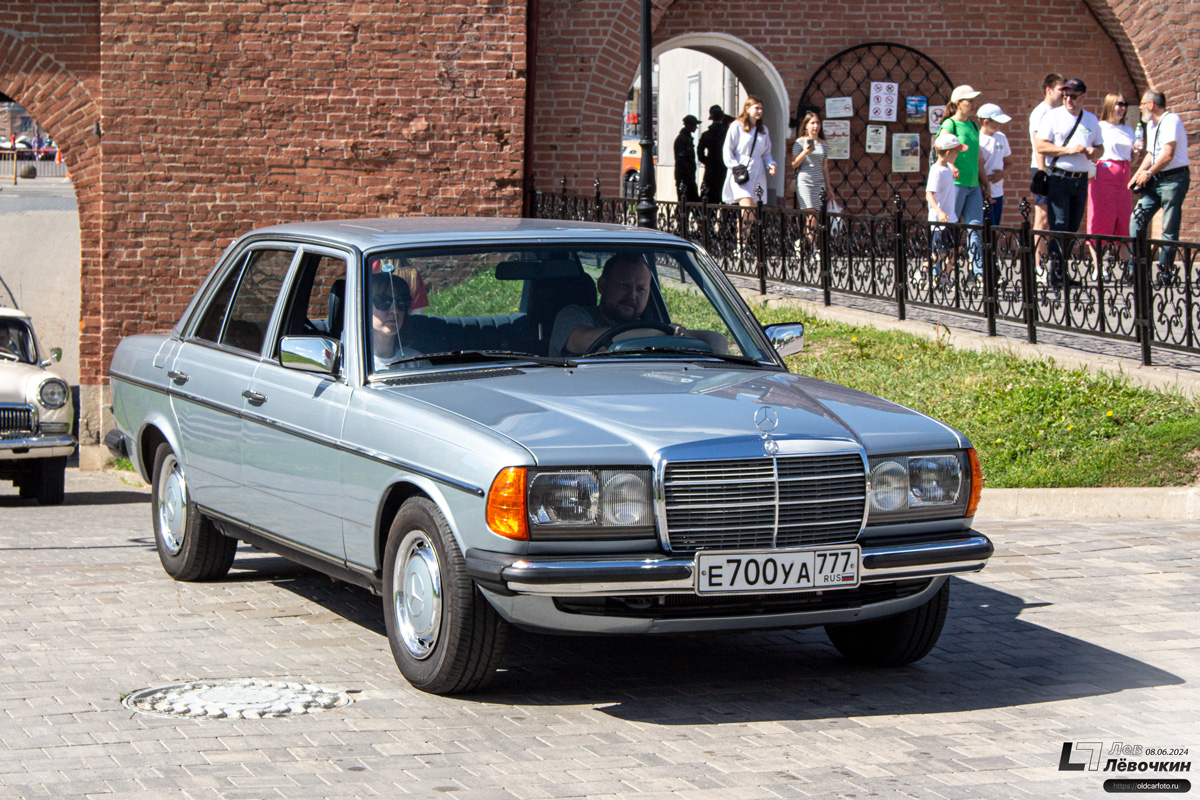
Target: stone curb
column 1176, row 503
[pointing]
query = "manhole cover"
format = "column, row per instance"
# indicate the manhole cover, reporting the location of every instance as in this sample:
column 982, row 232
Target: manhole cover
column 243, row 698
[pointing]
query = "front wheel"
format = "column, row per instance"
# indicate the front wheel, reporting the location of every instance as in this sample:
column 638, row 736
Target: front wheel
column 189, row 545
column 896, row 640
column 444, row 634
column 49, row 481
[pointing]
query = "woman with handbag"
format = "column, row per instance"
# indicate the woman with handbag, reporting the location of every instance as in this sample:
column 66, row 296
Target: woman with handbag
column 747, row 154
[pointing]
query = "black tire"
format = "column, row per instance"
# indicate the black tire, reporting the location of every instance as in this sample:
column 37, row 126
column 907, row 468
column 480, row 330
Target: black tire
column 189, row 545
column 49, row 482
column 26, row 487
column 893, row 641
column 445, row 635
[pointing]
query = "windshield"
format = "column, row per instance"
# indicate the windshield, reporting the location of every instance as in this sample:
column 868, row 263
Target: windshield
column 560, row 303
column 16, row 342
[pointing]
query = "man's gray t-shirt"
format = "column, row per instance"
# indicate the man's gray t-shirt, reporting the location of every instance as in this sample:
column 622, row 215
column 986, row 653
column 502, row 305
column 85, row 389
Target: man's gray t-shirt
column 570, row 318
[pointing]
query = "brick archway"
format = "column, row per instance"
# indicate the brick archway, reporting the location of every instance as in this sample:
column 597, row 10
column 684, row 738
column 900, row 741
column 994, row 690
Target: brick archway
column 61, row 104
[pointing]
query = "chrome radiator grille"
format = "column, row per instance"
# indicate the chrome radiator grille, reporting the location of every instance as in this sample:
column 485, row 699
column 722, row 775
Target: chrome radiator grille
column 16, row 420
column 732, row 504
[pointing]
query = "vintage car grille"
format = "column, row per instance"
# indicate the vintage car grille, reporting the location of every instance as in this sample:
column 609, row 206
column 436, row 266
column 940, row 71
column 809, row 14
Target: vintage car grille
column 17, row 420
column 731, row 504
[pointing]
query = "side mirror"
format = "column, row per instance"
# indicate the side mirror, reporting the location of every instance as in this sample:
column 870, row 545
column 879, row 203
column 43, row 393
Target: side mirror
column 787, row 339
column 310, row 353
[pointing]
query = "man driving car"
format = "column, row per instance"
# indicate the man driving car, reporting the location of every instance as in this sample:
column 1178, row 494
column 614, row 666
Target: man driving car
column 624, row 287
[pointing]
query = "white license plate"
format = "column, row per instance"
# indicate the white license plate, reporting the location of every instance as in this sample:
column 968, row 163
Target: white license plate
column 778, row 570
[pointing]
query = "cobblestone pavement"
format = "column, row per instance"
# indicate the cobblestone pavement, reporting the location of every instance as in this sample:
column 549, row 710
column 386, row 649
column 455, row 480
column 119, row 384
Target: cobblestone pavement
column 1076, row 632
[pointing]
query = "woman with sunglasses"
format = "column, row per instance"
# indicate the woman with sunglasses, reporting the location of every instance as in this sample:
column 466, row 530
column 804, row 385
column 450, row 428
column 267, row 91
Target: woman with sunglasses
column 1110, row 202
column 389, row 299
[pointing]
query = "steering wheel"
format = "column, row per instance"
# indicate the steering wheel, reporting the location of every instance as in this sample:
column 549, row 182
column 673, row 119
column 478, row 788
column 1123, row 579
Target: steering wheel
column 606, row 338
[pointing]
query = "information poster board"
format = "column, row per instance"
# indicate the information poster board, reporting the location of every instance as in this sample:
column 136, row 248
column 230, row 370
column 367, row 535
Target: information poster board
column 837, row 138
column 915, row 109
column 876, row 138
column 884, row 98
column 839, row 107
column 906, row 152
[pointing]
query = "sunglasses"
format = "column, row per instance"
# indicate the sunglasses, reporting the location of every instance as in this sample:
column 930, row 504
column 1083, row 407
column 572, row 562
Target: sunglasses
column 1071, row 95
column 383, row 302
column 1122, row 105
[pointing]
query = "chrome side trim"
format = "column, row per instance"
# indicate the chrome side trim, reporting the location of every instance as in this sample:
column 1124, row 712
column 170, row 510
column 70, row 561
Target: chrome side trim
column 373, row 455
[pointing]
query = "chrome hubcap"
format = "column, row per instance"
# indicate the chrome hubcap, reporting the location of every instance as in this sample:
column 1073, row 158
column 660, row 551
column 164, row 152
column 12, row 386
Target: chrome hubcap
column 417, row 594
column 171, row 506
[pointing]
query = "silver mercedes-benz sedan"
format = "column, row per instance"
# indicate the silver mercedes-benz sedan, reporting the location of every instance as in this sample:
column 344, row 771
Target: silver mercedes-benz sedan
column 566, row 427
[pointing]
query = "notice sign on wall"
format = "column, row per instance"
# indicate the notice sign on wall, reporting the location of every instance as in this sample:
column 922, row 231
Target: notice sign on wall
column 915, row 109
column 839, row 107
column 837, row 138
column 936, row 115
column 906, row 152
column 884, row 97
column 876, row 138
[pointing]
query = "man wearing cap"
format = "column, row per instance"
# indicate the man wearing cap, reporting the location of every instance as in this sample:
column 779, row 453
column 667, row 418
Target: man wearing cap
column 1070, row 139
column 993, row 144
column 711, row 142
column 685, row 161
column 970, row 178
column 1163, row 177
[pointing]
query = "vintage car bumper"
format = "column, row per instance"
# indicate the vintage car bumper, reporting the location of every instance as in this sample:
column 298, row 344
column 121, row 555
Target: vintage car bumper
column 560, row 593
column 36, row 447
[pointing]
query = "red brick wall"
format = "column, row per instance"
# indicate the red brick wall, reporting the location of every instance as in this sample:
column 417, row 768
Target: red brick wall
column 585, row 68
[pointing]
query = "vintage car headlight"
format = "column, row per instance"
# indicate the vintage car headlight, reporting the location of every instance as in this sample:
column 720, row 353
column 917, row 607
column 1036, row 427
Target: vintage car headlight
column 53, row 393
column 923, row 486
column 571, row 504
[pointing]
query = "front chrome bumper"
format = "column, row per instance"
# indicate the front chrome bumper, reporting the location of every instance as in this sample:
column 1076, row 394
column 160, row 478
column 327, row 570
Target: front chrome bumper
column 37, row 446
column 557, row 576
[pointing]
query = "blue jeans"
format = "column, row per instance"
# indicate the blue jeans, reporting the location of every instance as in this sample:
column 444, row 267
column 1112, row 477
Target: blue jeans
column 968, row 205
column 997, row 209
column 1166, row 192
column 1068, row 204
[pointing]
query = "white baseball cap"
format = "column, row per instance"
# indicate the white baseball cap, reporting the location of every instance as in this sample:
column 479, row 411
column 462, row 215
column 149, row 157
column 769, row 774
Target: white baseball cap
column 963, row 92
column 948, row 141
column 992, row 111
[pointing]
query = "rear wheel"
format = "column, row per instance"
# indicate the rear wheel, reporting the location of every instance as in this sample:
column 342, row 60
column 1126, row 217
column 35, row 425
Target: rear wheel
column 897, row 640
column 444, row 634
column 48, row 482
column 189, row 545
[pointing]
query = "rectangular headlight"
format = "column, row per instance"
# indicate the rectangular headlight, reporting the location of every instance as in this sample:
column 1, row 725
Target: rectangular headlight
column 918, row 486
column 576, row 503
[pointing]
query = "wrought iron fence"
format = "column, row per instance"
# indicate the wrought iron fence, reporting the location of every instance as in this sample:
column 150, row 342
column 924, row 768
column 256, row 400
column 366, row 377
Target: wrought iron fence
column 1139, row 290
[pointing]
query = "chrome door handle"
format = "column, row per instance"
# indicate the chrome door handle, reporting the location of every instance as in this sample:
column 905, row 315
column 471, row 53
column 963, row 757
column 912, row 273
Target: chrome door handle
column 254, row 397
column 178, row 377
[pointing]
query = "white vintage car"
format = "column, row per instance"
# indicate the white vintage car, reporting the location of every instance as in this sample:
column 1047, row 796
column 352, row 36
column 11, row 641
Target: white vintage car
column 36, row 413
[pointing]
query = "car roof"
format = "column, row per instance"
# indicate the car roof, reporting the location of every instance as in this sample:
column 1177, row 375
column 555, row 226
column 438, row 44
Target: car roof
column 13, row 313
column 367, row 234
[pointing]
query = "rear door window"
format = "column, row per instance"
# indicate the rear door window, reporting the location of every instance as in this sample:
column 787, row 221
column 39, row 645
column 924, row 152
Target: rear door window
column 253, row 304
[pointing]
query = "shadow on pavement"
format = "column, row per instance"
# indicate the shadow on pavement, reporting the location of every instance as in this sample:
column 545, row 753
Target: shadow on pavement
column 987, row 657
column 80, row 499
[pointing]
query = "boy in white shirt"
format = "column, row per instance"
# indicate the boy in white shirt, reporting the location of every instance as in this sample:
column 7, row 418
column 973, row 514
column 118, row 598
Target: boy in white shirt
column 993, row 144
column 939, row 193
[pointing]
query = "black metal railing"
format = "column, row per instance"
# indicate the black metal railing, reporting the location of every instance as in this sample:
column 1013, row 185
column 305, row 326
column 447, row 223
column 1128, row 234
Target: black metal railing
column 1131, row 289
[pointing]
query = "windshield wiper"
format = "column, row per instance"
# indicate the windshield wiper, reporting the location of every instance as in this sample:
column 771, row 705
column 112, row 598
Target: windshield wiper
column 691, row 352
column 467, row 356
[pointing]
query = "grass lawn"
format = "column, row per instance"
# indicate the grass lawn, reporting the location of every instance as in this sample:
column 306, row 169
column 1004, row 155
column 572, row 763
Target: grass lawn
column 1033, row 424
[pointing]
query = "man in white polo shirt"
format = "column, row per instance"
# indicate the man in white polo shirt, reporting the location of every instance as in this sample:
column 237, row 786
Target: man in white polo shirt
column 1070, row 139
column 1163, row 178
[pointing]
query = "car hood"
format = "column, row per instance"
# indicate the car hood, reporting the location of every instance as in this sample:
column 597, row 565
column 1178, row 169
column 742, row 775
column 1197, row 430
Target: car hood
column 19, row 381
column 628, row 413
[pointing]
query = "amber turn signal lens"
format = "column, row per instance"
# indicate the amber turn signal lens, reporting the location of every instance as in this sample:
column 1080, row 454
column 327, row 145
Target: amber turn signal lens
column 506, row 514
column 976, row 483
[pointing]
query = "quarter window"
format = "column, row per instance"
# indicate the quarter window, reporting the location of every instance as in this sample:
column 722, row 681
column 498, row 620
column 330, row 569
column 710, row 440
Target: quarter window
column 250, row 313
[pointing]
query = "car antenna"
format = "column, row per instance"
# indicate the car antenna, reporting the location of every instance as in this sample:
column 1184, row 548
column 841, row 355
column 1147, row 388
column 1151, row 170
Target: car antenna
column 10, row 294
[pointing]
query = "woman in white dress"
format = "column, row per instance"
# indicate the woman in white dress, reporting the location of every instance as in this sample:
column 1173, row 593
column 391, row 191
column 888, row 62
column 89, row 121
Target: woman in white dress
column 748, row 143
